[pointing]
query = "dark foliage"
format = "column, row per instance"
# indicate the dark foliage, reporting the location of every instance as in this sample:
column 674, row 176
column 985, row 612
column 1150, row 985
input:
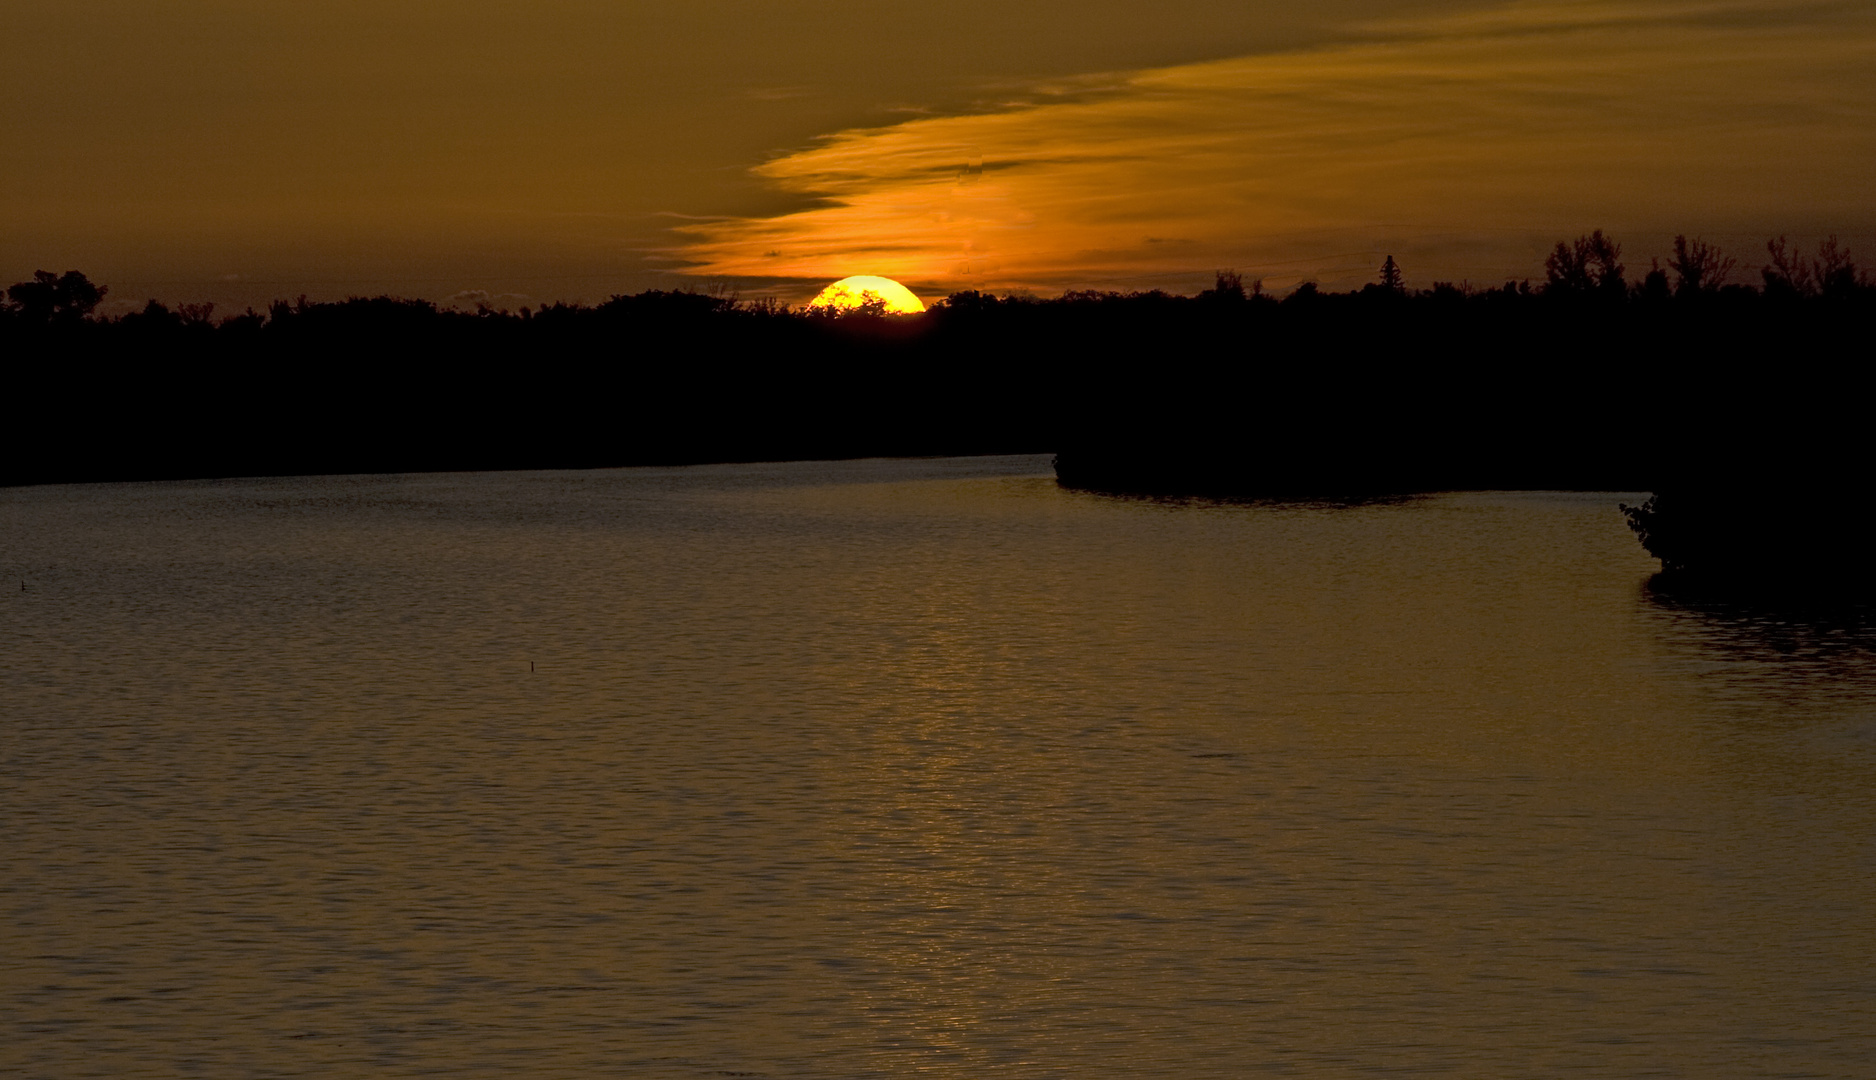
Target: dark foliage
column 50, row 298
column 1790, row 274
column 1793, row 532
column 1391, row 277
column 1590, row 265
column 1674, row 386
column 1699, row 267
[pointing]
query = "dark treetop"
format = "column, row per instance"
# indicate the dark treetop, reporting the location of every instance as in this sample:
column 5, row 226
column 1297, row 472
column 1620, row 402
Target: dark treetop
column 1589, row 380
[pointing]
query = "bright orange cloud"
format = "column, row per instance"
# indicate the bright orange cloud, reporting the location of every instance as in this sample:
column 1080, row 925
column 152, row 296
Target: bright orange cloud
column 1464, row 145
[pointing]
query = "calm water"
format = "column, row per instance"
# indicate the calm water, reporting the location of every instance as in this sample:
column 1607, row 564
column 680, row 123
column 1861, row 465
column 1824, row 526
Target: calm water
column 878, row 769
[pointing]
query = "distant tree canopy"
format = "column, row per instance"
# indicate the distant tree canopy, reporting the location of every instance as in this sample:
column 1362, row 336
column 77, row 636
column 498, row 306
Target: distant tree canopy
column 1589, row 264
column 381, row 383
column 51, row 297
column 1584, row 379
column 1699, row 267
column 1790, row 273
column 1228, row 287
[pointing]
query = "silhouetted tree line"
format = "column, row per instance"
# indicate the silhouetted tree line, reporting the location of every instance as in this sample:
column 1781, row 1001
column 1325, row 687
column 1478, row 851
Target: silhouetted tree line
column 1684, row 378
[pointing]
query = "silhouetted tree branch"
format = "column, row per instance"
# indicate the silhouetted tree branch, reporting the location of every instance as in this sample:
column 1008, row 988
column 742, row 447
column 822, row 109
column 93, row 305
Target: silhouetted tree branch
column 1698, row 266
column 1589, row 264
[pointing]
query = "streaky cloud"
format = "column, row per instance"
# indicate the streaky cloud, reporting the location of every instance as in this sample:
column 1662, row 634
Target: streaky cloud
column 1464, row 145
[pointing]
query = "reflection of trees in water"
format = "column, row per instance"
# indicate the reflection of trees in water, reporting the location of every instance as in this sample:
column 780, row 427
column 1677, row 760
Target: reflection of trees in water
column 1297, row 502
column 1787, row 685
column 1769, row 628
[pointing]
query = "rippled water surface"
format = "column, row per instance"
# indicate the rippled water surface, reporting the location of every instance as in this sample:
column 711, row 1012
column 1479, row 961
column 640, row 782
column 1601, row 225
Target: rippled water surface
column 876, row 769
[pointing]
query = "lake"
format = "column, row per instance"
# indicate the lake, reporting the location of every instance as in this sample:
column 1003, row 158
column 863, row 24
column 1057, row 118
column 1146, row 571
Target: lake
column 894, row 768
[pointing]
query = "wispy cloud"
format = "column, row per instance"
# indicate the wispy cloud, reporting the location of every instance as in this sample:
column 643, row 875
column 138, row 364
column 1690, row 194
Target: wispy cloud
column 1463, row 145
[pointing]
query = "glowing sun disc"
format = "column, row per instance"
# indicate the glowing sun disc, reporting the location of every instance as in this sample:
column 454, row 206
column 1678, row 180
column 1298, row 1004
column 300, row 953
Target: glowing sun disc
column 850, row 292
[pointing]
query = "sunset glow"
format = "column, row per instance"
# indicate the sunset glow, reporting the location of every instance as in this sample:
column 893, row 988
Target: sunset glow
column 1464, row 145
column 1042, row 147
column 948, row 540
column 852, row 293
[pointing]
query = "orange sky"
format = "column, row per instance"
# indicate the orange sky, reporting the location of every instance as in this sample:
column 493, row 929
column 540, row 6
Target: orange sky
column 1465, row 145
column 213, row 149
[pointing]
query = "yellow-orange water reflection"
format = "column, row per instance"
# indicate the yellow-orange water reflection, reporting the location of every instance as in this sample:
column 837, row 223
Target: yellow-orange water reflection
column 863, row 769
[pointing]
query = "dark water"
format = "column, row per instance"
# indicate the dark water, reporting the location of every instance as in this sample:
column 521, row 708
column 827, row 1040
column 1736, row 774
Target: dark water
column 898, row 768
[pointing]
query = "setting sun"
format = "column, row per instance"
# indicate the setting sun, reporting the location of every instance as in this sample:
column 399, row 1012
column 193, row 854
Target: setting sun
column 852, row 292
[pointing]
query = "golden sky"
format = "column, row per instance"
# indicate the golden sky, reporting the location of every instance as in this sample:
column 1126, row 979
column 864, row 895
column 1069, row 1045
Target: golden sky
column 1464, row 144
column 217, row 149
